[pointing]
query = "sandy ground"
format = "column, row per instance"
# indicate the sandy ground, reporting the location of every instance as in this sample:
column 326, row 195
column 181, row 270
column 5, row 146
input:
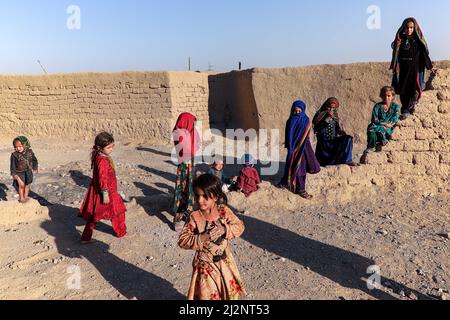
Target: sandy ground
column 318, row 251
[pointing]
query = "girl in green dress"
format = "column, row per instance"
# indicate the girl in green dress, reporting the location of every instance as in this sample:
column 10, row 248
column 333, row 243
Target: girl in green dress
column 385, row 117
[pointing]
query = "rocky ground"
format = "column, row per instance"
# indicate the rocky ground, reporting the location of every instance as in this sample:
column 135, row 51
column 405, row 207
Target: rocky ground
column 292, row 249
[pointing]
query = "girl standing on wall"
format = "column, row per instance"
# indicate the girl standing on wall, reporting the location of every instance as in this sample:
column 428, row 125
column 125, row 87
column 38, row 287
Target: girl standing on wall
column 410, row 58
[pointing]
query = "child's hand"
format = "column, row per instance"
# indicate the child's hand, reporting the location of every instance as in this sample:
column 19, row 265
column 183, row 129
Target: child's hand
column 106, row 200
column 217, row 232
column 15, row 178
column 434, row 70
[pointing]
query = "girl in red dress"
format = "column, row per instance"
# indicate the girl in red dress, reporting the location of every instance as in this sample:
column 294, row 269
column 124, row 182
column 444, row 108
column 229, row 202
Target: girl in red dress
column 102, row 201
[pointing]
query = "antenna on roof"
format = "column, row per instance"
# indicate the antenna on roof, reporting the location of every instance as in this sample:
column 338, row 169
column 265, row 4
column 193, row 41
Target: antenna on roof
column 43, row 69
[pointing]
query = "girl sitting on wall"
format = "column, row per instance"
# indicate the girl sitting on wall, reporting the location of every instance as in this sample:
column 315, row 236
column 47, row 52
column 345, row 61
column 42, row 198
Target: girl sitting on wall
column 334, row 146
column 385, row 117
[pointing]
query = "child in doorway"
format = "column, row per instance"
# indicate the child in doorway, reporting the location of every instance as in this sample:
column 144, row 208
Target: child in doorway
column 103, row 201
column 23, row 163
column 208, row 231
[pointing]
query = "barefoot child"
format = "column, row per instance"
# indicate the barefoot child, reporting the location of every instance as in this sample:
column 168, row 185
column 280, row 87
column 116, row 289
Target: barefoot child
column 102, row 201
column 208, row 232
column 385, row 117
column 23, row 163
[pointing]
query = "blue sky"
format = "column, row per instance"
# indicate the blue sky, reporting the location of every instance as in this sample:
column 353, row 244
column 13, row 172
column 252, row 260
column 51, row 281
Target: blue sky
column 118, row 35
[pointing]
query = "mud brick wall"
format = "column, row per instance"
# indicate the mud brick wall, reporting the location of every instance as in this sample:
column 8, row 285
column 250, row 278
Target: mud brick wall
column 190, row 93
column 136, row 105
column 417, row 160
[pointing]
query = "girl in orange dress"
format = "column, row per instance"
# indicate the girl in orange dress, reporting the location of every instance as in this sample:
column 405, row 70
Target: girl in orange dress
column 208, row 231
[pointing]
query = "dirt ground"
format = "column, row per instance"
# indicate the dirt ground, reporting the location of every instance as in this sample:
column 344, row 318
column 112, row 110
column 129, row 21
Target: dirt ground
column 319, row 251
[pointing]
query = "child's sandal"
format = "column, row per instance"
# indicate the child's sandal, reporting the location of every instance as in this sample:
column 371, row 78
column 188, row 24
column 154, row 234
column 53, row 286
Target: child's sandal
column 305, row 195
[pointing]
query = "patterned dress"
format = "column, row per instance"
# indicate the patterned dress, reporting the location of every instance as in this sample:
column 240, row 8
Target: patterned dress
column 184, row 193
column 376, row 132
column 215, row 275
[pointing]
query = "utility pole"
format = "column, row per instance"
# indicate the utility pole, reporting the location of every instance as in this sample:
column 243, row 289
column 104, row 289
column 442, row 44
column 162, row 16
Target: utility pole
column 43, row 69
column 189, row 63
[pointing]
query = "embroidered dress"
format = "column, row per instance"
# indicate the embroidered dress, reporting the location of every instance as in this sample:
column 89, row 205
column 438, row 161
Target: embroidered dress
column 333, row 146
column 410, row 58
column 215, row 275
column 378, row 134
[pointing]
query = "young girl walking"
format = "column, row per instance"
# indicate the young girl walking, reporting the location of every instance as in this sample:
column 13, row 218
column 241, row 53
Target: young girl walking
column 103, row 201
column 23, row 163
column 208, row 231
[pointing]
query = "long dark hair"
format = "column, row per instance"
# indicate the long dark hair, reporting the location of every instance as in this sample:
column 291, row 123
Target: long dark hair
column 212, row 187
column 102, row 140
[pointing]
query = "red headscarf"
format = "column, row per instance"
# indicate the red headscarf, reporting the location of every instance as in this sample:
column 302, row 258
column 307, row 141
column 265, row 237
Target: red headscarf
column 186, row 137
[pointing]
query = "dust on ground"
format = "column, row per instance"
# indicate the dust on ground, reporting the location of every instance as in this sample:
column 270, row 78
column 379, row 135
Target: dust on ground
column 318, row 251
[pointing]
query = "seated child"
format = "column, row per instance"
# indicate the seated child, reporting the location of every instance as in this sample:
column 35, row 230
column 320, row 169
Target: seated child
column 217, row 169
column 248, row 180
column 385, row 117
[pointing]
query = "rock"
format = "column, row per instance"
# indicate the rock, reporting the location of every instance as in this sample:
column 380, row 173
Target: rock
column 412, row 296
column 444, row 297
column 382, row 232
column 13, row 212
